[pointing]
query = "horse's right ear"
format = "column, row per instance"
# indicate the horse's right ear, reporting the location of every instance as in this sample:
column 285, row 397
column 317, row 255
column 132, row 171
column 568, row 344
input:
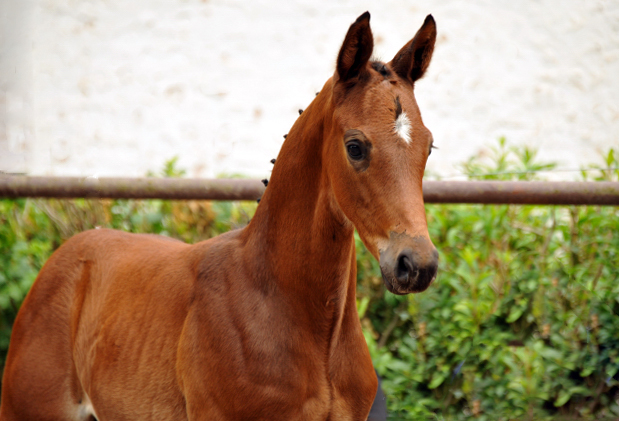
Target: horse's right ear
column 356, row 49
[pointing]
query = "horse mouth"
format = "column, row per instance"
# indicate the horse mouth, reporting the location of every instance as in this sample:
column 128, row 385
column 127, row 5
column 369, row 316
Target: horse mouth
column 415, row 285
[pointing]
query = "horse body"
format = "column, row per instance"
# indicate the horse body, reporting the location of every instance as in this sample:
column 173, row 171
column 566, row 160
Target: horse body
column 258, row 323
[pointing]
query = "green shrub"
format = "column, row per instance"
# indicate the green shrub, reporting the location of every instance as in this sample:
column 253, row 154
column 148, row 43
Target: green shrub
column 522, row 322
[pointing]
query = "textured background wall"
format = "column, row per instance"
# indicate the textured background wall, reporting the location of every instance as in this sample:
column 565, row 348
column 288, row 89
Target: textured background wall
column 113, row 87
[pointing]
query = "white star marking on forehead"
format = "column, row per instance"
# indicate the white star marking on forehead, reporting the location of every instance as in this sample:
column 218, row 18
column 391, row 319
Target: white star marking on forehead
column 402, row 127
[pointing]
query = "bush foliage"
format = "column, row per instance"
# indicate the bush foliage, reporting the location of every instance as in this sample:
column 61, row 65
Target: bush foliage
column 522, row 323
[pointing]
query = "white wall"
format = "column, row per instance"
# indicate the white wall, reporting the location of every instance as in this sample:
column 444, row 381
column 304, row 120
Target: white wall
column 115, row 87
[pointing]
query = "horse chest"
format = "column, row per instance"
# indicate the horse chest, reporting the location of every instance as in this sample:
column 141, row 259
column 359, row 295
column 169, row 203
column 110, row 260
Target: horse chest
column 278, row 381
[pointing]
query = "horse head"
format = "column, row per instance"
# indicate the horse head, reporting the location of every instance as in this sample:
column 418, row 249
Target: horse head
column 377, row 150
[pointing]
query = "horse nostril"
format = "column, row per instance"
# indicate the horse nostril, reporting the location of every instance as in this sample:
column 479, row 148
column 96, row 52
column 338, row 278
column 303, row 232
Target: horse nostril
column 405, row 268
column 402, row 267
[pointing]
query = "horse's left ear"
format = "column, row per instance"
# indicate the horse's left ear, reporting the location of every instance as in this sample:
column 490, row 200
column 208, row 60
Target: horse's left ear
column 413, row 59
column 356, row 49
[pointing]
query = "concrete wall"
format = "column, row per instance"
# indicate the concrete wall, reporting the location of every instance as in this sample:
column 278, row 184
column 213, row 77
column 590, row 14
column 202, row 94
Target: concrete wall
column 114, row 87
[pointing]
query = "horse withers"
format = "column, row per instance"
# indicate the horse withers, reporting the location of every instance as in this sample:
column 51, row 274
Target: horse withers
column 258, row 323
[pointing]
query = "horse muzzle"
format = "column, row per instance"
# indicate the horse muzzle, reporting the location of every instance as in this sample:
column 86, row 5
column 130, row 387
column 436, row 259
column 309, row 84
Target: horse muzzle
column 408, row 264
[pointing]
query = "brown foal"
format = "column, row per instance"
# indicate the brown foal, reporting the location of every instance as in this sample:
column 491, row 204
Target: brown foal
column 259, row 323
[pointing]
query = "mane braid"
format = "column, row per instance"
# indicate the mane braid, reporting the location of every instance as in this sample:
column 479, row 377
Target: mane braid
column 381, row 68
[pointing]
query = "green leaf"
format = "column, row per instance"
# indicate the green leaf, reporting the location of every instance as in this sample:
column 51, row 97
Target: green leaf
column 437, row 379
column 515, row 313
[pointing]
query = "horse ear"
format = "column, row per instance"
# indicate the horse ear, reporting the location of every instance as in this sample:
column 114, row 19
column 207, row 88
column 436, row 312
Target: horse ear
column 412, row 61
column 356, row 49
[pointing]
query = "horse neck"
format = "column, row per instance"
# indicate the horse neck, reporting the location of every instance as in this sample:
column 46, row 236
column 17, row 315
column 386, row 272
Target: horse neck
column 299, row 231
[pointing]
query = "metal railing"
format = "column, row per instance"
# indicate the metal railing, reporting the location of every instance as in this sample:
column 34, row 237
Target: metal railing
column 482, row 192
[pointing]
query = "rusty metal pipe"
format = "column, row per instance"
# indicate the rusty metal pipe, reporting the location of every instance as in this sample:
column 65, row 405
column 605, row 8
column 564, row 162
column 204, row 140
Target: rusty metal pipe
column 481, row 192
column 130, row 188
column 522, row 192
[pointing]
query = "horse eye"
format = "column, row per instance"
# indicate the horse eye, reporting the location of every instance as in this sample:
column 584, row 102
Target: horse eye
column 355, row 150
column 431, row 147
